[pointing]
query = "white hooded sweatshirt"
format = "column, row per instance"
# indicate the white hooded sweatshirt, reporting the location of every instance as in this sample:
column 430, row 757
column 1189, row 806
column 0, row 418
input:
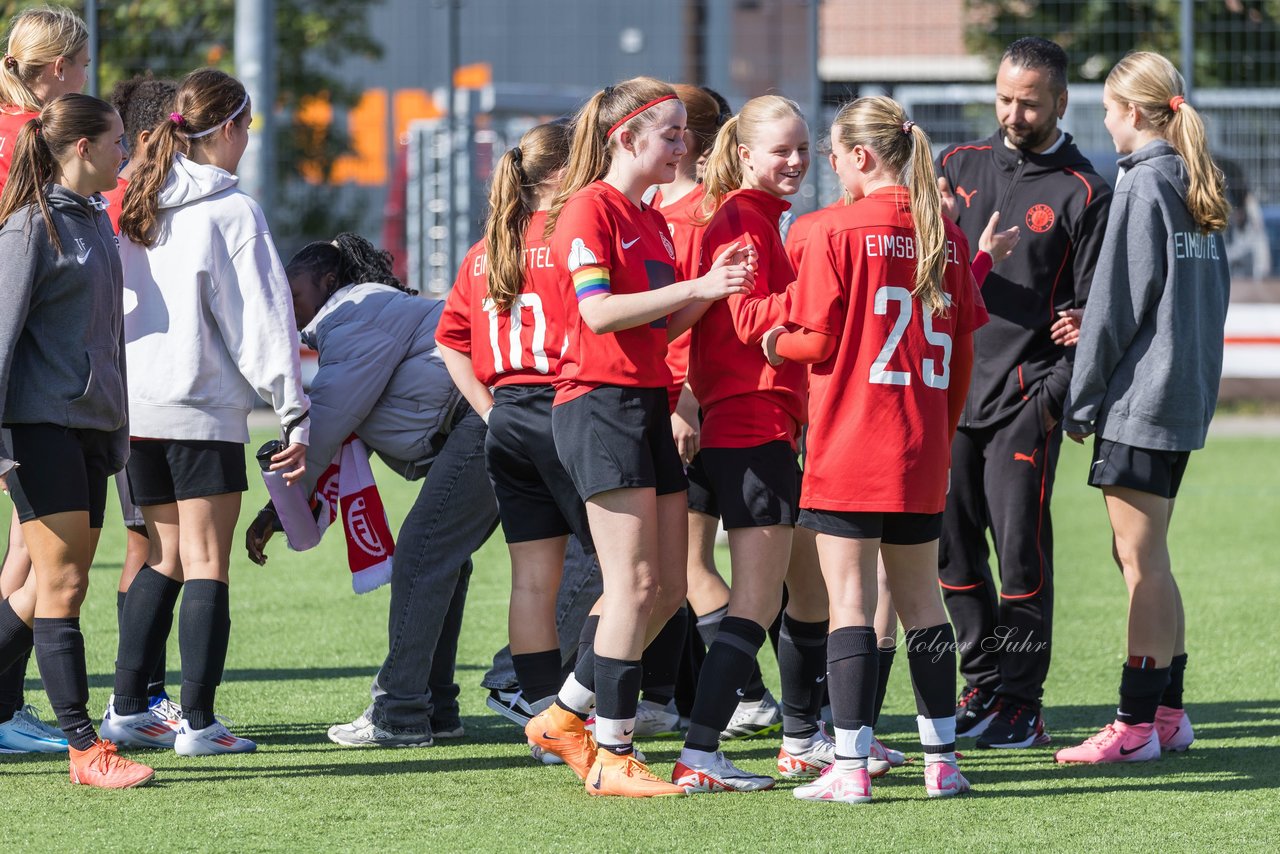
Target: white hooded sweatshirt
column 208, row 316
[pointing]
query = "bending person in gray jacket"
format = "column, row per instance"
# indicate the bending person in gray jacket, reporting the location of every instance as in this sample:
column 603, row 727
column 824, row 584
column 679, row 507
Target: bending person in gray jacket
column 381, row 378
column 1146, row 380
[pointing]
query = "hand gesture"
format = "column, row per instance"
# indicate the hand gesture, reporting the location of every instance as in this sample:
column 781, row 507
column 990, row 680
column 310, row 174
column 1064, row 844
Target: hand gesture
column 732, row 273
column 258, row 534
column 292, row 461
column 949, row 209
column 1066, row 329
column 997, row 244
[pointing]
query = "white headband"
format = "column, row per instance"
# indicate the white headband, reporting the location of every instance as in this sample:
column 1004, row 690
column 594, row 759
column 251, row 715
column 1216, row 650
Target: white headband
column 229, row 119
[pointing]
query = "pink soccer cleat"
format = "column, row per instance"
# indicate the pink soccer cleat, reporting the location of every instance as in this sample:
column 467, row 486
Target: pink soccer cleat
column 944, row 780
column 1115, row 742
column 835, row 784
column 1174, row 729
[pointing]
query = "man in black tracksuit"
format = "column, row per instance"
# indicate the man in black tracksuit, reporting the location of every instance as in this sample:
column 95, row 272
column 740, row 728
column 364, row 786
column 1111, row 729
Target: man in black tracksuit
column 1006, row 448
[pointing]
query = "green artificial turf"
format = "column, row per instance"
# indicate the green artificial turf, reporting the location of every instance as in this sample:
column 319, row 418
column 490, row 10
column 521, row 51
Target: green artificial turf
column 303, row 649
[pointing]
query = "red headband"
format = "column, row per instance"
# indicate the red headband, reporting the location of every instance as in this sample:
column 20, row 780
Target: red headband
column 1176, row 101
column 631, row 115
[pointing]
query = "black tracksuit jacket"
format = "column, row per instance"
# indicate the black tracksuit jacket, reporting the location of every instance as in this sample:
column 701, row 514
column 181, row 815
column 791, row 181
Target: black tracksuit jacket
column 1060, row 204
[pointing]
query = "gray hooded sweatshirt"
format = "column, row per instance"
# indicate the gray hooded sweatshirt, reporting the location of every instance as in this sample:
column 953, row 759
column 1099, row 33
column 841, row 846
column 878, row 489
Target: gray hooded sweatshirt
column 1149, row 359
column 61, row 323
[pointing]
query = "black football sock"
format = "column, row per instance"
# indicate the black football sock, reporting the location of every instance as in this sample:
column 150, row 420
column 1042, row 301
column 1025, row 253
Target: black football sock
column 1141, row 686
column 661, row 660
column 204, row 628
column 931, row 655
column 882, row 679
column 726, row 670
column 802, row 666
column 852, row 662
column 60, row 655
column 584, row 669
column 538, row 674
column 617, row 697
column 15, row 650
column 145, row 621
column 1173, row 694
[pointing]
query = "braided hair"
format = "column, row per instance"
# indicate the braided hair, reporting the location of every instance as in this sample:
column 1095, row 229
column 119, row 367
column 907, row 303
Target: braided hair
column 352, row 259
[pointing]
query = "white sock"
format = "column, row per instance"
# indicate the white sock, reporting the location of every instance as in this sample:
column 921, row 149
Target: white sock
column 574, row 696
column 697, row 758
column 799, row 745
column 935, row 732
column 854, row 743
column 614, row 733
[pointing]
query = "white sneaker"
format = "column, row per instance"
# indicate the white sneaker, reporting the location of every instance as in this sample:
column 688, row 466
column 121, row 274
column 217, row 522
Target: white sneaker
column 883, row 758
column 834, row 784
column 211, row 740
column 363, row 732
column 809, row 761
column 169, row 710
column 145, row 729
column 26, row 733
column 543, row 756
column 653, row 719
column 754, row 717
column 719, row 775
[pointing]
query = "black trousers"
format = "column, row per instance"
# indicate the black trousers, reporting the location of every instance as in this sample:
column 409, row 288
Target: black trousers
column 1002, row 481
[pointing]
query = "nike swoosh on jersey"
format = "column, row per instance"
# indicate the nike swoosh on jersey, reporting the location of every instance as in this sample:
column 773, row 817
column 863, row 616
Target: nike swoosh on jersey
column 628, row 245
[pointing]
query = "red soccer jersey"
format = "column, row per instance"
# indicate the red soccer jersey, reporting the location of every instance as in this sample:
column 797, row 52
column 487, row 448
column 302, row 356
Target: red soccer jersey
column 746, row 401
column 115, row 201
column 798, row 233
column 682, row 221
column 604, row 244
column 878, row 433
column 521, row 345
column 10, row 124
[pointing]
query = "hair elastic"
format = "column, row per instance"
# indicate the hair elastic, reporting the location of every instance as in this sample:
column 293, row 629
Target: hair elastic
column 231, row 118
column 907, row 126
column 177, row 119
column 517, row 156
column 631, row 115
column 10, row 61
column 1176, row 101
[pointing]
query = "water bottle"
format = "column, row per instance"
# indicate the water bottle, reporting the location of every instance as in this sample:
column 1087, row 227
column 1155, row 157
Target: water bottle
column 292, row 504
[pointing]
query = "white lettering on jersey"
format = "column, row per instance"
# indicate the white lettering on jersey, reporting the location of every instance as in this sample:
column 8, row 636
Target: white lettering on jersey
column 903, row 246
column 1195, row 246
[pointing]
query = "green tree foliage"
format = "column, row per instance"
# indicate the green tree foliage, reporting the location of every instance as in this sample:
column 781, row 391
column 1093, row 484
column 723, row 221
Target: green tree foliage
column 171, row 37
column 1237, row 42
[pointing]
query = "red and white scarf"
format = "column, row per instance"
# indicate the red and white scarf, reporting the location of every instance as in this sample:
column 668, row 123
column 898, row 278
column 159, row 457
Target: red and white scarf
column 347, row 486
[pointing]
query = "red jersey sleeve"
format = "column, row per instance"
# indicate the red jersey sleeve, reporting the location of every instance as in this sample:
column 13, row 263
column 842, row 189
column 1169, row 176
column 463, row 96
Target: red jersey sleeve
column 584, row 238
column 821, row 288
column 454, row 328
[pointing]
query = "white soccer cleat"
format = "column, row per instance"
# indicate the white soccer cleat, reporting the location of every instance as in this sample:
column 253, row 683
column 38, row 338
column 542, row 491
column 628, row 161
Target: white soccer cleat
column 210, row 741
column 653, row 719
column 883, row 758
column 719, row 775
column 754, row 717
column 145, row 729
column 944, row 780
column 808, row 762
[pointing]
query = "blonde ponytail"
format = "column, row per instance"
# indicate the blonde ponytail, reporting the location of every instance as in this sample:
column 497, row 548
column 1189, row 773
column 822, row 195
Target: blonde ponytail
column 1150, row 82
column 879, row 123
column 723, row 171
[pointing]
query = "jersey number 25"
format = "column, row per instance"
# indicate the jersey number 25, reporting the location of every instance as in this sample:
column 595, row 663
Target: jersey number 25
column 936, row 373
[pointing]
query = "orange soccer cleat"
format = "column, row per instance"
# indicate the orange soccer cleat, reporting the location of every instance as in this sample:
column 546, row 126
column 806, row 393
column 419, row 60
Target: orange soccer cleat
column 100, row 766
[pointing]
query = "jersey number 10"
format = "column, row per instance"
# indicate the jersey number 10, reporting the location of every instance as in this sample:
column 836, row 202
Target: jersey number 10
column 515, row 350
column 935, row 372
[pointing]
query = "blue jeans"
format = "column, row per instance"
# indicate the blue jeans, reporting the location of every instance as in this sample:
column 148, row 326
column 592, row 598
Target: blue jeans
column 580, row 587
column 453, row 516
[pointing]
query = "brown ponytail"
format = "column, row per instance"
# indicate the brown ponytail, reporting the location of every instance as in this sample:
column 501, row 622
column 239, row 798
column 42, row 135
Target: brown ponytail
column 207, row 99
column 1149, row 82
column 42, row 143
column 541, row 153
column 591, row 152
column 902, row 146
